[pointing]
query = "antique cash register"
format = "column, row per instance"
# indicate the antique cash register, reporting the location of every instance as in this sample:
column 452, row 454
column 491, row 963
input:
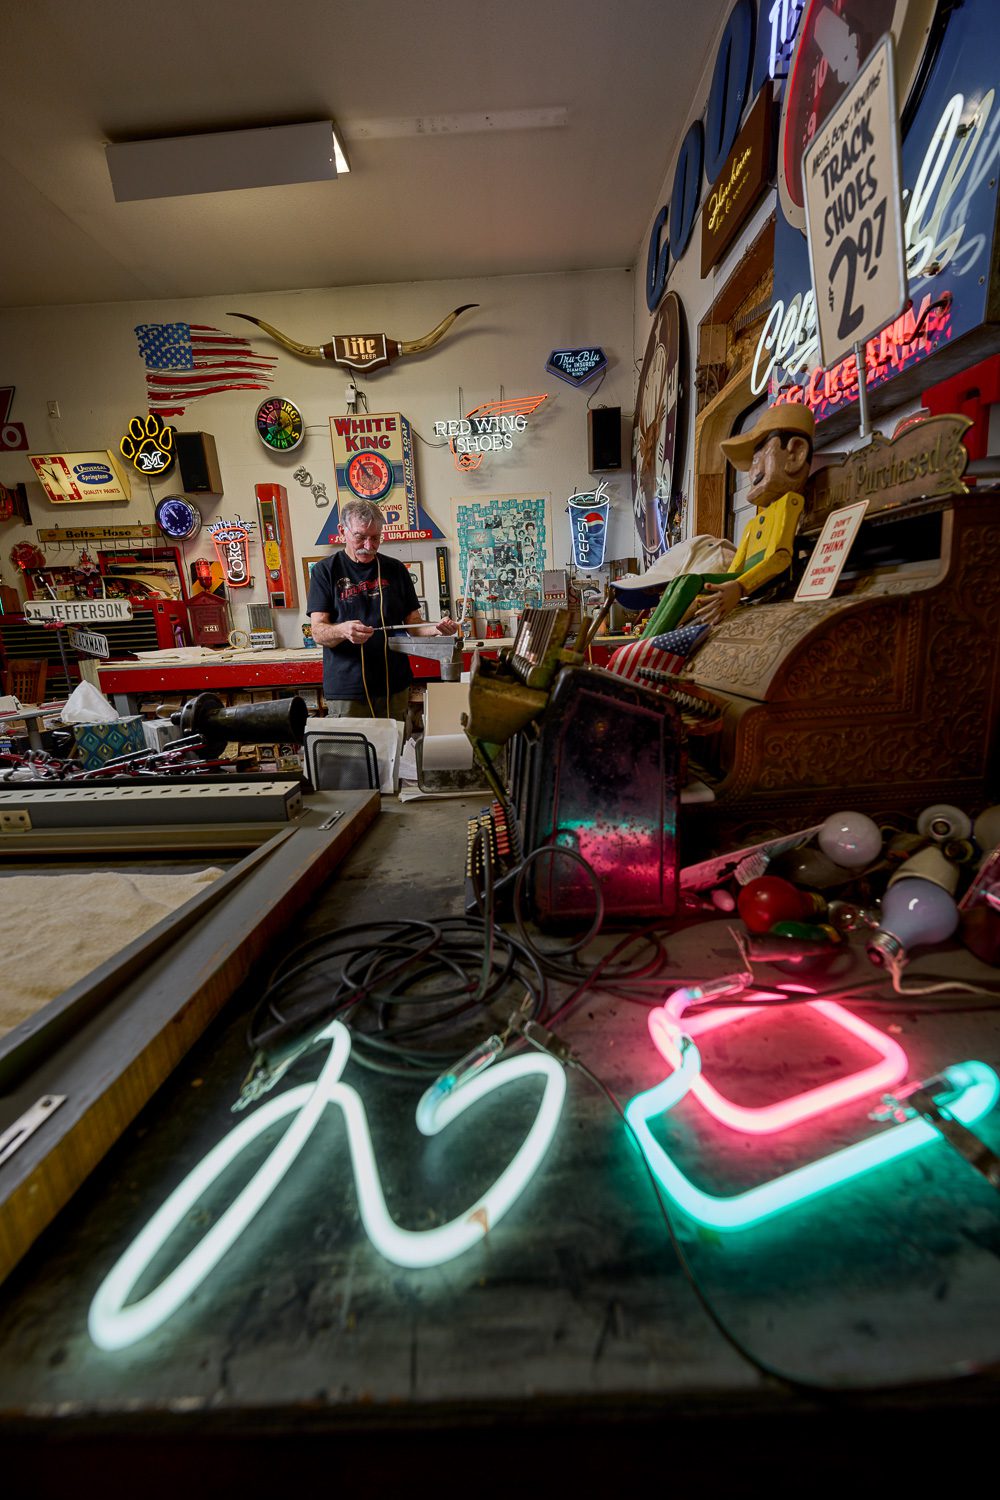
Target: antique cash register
column 884, row 696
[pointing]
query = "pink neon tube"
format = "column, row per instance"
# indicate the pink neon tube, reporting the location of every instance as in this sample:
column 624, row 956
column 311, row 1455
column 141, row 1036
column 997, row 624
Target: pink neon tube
column 666, row 1030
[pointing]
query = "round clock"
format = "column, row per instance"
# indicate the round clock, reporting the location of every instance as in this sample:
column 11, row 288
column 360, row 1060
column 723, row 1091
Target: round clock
column 177, row 518
column 833, row 42
column 279, row 424
column 369, row 476
column 658, row 437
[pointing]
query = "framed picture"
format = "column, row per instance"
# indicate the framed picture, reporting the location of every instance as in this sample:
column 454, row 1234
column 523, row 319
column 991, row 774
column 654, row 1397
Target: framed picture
column 416, row 572
column 422, row 606
column 308, row 563
column 150, row 573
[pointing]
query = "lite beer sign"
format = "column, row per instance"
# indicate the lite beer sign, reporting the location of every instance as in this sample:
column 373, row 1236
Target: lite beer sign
column 232, row 547
column 360, row 351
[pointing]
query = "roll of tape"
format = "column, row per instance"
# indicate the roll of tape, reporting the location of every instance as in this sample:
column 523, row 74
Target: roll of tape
column 239, row 638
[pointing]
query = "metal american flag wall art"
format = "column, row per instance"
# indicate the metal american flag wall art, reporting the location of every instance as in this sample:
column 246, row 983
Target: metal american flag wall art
column 185, row 361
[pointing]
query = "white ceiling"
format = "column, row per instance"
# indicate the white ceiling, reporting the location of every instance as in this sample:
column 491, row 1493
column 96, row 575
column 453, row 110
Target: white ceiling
column 77, row 74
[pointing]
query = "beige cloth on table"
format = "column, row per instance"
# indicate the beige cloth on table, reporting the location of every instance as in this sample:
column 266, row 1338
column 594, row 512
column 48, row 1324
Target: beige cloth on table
column 57, row 928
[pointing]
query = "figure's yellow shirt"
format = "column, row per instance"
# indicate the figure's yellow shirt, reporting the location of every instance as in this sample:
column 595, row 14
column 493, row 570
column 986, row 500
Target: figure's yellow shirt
column 765, row 548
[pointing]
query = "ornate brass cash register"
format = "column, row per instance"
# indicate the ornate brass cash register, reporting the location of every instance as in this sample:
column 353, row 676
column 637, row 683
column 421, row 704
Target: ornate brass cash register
column 593, row 771
column 883, row 697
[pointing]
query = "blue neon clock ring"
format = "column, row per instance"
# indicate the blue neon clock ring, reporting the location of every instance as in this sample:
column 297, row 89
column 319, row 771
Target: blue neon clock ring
column 177, row 518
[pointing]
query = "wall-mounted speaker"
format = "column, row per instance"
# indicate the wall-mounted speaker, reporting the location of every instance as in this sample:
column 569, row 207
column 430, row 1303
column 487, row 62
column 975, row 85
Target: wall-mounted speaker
column 604, row 438
column 198, row 463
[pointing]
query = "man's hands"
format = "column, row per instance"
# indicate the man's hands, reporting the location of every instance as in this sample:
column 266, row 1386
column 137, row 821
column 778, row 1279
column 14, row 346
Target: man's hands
column 353, row 632
column 447, row 627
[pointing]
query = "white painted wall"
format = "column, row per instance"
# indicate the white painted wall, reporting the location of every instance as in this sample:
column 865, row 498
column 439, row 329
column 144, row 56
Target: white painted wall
column 86, row 359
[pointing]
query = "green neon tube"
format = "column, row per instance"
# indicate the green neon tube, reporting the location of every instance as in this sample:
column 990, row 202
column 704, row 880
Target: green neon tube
column 976, row 1089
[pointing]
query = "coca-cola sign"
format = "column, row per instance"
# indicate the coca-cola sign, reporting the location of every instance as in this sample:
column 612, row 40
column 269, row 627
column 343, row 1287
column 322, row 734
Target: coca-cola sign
column 232, row 547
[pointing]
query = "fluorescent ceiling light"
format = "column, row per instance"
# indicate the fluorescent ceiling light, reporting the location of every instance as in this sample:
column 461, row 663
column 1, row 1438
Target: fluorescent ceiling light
column 496, row 120
column 271, row 156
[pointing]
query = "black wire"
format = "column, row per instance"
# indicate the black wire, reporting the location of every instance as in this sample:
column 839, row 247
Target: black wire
column 798, row 1384
column 405, row 986
column 400, row 985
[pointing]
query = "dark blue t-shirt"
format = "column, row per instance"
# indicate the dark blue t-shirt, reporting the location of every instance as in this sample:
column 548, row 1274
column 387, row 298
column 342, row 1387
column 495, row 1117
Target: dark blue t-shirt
column 376, row 593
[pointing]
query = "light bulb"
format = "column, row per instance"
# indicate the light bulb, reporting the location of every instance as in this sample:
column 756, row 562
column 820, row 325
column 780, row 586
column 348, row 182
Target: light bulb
column 986, row 829
column 808, row 866
column 915, row 913
column 850, row 839
column 942, row 822
column 769, row 899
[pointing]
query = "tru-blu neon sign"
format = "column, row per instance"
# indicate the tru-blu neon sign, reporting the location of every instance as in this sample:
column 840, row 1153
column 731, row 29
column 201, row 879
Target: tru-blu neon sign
column 115, row 1325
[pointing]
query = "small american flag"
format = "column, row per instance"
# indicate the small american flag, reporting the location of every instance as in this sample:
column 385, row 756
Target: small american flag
column 187, row 360
column 667, row 652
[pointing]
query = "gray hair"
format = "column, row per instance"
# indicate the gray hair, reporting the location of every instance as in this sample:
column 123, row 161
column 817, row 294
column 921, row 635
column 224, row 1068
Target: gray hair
column 366, row 511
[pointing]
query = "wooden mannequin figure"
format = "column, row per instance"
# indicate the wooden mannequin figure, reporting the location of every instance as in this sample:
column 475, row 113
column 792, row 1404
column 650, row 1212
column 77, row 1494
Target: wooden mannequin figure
column 777, row 454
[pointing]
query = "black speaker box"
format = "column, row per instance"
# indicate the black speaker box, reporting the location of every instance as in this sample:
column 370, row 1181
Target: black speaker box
column 198, row 463
column 604, row 438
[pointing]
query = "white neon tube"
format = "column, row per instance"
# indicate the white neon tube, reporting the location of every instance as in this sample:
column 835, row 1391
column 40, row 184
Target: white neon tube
column 114, row 1326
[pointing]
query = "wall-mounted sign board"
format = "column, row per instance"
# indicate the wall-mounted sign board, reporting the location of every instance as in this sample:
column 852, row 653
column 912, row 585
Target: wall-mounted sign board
column 58, row 534
column 576, row 366
column 744, row 177
column 81, row 478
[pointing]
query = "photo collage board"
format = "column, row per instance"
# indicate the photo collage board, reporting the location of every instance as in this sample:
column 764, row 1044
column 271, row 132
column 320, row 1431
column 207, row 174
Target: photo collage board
column 502, row 542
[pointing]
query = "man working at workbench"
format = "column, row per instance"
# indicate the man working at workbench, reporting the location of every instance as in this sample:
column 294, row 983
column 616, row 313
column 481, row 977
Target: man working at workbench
column 353, row 597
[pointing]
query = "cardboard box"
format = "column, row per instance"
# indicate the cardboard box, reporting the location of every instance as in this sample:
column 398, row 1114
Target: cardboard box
column 96, row 744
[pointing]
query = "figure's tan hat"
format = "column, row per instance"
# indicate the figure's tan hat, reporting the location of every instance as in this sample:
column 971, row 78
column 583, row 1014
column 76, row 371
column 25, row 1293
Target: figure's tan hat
column 790, row 416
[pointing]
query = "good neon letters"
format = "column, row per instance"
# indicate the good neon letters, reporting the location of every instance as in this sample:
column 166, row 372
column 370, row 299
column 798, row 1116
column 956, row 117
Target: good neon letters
column 892, row 1065
column 114, row 1326
column 973, row 1092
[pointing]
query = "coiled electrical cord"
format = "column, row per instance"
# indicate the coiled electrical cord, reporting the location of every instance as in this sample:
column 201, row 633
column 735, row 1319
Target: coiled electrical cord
column 417, row 993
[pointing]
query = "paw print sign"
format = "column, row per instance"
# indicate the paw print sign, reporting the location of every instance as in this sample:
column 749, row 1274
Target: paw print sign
column 148, row 445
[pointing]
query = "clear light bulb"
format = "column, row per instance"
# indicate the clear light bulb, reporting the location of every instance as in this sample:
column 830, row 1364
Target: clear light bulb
column 915, row 914
column 850, row 839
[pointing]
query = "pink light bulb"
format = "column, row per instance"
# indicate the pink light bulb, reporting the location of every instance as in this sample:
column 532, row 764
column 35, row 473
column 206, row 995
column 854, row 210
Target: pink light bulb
column 915, row 913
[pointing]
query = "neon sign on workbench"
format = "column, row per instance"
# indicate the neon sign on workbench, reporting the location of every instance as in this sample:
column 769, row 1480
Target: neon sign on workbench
column 113, row 1325
column 972, row 1091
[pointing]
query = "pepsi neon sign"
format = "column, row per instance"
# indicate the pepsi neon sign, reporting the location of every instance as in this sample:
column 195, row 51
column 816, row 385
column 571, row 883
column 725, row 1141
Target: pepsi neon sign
column 588, row 526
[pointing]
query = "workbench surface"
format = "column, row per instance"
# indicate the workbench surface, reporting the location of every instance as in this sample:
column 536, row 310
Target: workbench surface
column 573, row 1314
